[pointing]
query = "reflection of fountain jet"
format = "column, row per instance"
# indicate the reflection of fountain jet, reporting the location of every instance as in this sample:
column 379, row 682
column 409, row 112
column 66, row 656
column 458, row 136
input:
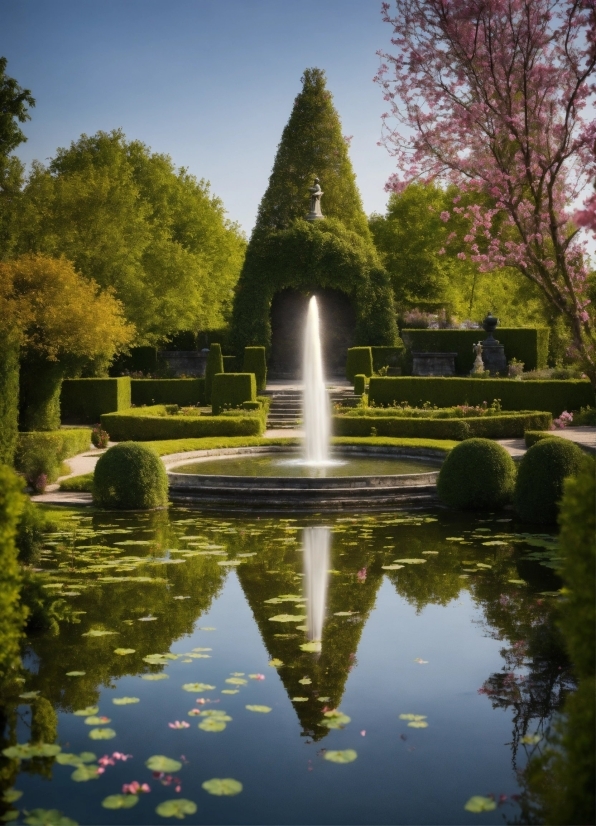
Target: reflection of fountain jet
column 315, row 402
column 316, row 575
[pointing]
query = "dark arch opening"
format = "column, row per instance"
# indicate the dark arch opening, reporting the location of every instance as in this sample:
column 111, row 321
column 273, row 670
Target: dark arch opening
column 288, row 317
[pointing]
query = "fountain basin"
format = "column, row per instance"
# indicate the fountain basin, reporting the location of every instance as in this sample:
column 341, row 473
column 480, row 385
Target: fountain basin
column 312, row 493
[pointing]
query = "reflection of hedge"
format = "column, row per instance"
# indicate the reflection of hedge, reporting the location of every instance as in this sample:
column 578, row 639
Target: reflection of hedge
column 84, row 400
column 43, row 451
column 529, row 345
column 9, row 400
column 254, row 362
column 359, row 361
column 12, row 502
column 230, row 390
column 183, row 392
column 554, row 396
column 148, row 424
column 506, row 426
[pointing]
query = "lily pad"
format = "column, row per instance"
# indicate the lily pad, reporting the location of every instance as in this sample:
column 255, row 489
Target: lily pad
column 180, row 807
column 305, row 681
column 120, row 801
column 531, row 739
column 478, row 804
column 343, row 756
column 202, row 649
column 418, row 724
column 212, row 724
column 236, row 681
column 25, row 751
column 48, row 817
column 98, row 632
column 416, row 718
column 412, row 561
column 86, row 712
column 230, row 690
column 102, row 733
column 393, row 567
column 11, row 795
column 65, row 759
column 29, row 695
column 198, row 687
column 222, row 786
column 261, row 709
column 125, row 701
column 299, row 699
column 97, row 721
column 160, row 763
column 123, row 651
column 335, row 719
column 83, row 773
column 75, row 673
column 287, row 618
column 312, row 647
column 275, row 663
column 155, row 677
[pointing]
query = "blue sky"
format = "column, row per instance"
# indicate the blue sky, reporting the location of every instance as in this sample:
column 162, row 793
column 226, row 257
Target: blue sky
column 210, row 83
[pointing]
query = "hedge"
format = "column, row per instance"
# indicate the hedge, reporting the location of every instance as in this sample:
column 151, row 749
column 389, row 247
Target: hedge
column 12, row 613
column 533, row 436
column 130, row 476
column 478, row 474
column 388, row 356
column 84, row 400
column 9, row 400
column 359, row 384
column 255, row 362
column 529, row 345
column 149, row 424
column 214, row 365
column 183, row 392
column 359, row 362
column 551, row 395
column 43, row 451
column 506, row 426
column 40, row 384
column 230, row 390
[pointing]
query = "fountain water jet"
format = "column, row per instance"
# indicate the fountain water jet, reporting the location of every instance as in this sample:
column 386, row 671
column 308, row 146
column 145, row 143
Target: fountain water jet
column 315, row 401
column 316, row 574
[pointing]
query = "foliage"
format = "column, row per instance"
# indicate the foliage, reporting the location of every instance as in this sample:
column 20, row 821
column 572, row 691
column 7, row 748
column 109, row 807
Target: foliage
column 542, row 471
column 130, row 476
column 493, row 94
column 255, row 362
column 477, row 474
column 551, row 396
column 99, row 437
column 391, row 357
column 39, row 396
column 153, row 423
column 585, row 418
column 359, row 361
column 33, row 525
column 360, row 384
column 531, row 437
column 214, row 366
column 43, row 452
column 130, row 220
column 80, row 484
column 168, row 391
column 9, row 396
column 529, row 345
column 137, row 360
column 84, row 400
column 12, row 615
column 230, row 390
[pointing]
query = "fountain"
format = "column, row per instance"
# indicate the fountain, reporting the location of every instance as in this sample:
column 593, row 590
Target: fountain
column 315, row 401
column 316, row 560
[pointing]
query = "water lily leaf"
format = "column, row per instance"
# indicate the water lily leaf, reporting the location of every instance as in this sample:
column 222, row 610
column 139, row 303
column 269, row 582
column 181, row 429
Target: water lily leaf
column 155, row 677
column 24, row 751
column 98, row 632
column 124, row 701
column 9, row 816
column 429, row 553
column 335, row 719
column 198, row 687
column 176, row 808
column 97, row 721
column 305, row 681
column 207, row 628
column 275, row 663
column 478, row 804
column 83, row 773
column 299, row 699
column 48, row 817
column 418, row 724
column 261, row 709
column 75, row 673
column 236, row 681
column 102, row 733
column 414, row 717
column 29, row 695
column 85, row 712
column 412, row 561
column 222, row 786
column 230, row 563
column 495, row 542
column 11, row 795
column 120, row 801
column 123, row 651
column 201, row 649
column 147, row 619
column 212, row 724
column 483, row 565
column 230, row 690
column 160, row 763
column 517, row 581
column 220, row 714
column 196, row 656
column 392, row 567
column 454, row 539
column 65, row 759
column 287, row 618
column 344, row 756
column 313, row 647
column 531, row 739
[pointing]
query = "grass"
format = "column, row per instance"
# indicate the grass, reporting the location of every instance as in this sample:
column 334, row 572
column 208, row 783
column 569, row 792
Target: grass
column 80, row 484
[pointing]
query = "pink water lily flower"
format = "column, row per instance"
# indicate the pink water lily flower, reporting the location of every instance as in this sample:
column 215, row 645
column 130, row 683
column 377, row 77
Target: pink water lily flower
column 135, row 787
column 179, row 724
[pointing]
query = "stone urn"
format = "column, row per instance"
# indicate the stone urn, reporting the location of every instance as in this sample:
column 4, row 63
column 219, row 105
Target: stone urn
column 493, row 352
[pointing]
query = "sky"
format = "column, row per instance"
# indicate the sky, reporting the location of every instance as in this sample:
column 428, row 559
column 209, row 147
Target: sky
column 208, row 82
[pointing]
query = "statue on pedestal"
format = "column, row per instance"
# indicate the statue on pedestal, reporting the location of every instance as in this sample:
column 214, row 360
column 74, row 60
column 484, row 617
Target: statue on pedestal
column 316, row 192
column 478, row 366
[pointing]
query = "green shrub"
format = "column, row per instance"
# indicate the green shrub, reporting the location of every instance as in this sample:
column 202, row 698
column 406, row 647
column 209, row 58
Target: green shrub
column 33, row 525
column 529, row 345
column 531, row 437
column 552, row 396
column 9, row 400
column 78, row 484
column 540, row 478
column 359, row 362
column 505, row 426
column 214, row 366
column 130, row 476
column 184, row 392
column 153, row 423
column 585, row 418
column 477, row 474
column 43, row 452
column 359, row 384
column 40, row 388
column 12, row 616
column 388, row 357
column 251, row 405
column 84, row 400
column 230, row 390
column 255, row 362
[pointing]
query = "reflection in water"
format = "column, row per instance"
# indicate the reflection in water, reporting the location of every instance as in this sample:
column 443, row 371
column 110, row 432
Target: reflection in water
column 316, row 575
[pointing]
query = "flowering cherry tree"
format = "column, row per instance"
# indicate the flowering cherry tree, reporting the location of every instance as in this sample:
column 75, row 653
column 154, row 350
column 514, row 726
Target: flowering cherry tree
column 494, row 96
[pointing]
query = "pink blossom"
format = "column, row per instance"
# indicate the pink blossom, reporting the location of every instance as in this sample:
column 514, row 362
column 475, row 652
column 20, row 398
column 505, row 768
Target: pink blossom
column 135, row 787
column 178, row 724
column 361, row 575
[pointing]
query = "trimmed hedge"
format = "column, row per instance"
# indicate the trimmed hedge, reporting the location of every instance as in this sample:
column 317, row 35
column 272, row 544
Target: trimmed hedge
column 388, row 356
column 359, row 362
column 542, row 471
column 9, row 400
column 130, row 476
column 40, row 384
column 230, row 390
column 214, row 365
column 552, row 395
column 183, row 392
column 505, row 426
column 359, row 384
column 532, row 437
column 43, row 451
column 12, row 613
column 477, row 474
column 255, row 362
column 529, row 345
column 149, row 424
column 84, row 400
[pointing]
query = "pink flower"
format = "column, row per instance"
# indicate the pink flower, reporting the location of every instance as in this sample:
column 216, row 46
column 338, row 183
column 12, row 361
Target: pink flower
column 361, row 575
column 179, row 724
column 135, row 787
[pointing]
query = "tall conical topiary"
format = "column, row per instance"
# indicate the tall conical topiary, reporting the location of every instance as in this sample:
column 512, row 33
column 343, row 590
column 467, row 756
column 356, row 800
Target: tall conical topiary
column 312, row 145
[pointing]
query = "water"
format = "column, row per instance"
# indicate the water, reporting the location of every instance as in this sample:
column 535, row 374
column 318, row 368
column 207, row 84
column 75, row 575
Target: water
column 377, row 616
column 281, row 464
column 315, row 402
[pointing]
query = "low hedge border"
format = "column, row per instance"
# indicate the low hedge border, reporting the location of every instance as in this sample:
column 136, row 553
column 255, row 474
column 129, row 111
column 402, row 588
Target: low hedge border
column 44, row 451
column 84, row 400
column 183, row 392
column 553, row 396
column 533, row 436
column 505, row 426
column 231, row 390
column 150, row 424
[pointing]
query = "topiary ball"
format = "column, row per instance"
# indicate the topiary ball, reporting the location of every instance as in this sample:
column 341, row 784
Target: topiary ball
column 477, row 474
column 130, row 476
column 542, row 470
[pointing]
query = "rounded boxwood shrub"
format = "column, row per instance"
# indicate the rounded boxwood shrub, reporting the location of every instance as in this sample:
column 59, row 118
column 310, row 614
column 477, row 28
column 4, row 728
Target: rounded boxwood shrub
column 539, row 485
column 130, row 476
column 477, row 474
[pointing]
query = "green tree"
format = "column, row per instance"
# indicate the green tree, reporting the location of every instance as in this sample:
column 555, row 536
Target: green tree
column 131, row 221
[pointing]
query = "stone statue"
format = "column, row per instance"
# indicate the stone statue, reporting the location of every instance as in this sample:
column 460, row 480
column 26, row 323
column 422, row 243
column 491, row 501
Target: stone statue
column 316, row 192
column 478, row 363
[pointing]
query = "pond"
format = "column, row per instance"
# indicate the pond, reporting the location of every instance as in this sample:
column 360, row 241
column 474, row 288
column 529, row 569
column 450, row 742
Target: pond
column 383, row 668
